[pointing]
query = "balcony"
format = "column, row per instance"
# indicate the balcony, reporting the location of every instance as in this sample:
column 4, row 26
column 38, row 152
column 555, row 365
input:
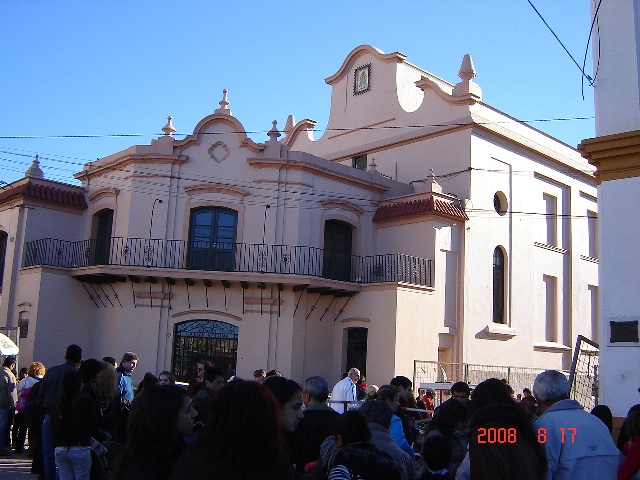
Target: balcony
column 228, row 257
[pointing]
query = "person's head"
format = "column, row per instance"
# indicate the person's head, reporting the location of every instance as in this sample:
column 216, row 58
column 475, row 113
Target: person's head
column 213, row 379
column 404, row 386
column 259, row 375
column 429, row 392
column 490, row 391
column 289, row 395
column 315, row 390
column 604, row 413
column 526, row 392
column 273, row 373
column 371, row 391
column 632, row 424
column 9, row 362
column 90, row 371
column 129, row 362
column 36, row 369
column 450, row 416
column 107, row 386
column 390, row 395
column 149, row 379
column 353, row 374
column 460, row 391
column 351, row 427
column 436, row 452
column 550, row 387
column 239, row 407
column 23, row 372
column 377, row 411
column 110, row 361
column 166, row 378
column 160, row 416
column 201, row 366
column 73, row 354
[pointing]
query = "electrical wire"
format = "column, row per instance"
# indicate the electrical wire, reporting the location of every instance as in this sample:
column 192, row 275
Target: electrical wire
column 586, row 49
column 315, row 130
column 589, row 79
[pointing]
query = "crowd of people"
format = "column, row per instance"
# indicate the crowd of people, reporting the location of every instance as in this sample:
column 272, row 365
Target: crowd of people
column 87, row 421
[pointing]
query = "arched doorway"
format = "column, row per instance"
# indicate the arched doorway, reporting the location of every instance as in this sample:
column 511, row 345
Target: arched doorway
column 101, row 226
column 197, row 340
column 337, row 250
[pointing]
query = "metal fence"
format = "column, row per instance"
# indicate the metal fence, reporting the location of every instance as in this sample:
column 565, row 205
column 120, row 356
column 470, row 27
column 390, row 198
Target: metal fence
column 425, row 371
column 583, row 377
column 233, row 257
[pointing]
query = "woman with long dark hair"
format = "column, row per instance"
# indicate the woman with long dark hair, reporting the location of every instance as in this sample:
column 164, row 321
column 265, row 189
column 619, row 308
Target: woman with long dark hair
column 502, row 441
column 450, row 421
column 391, row 396
column 160, row 417
column 74, row 421
column 241, row 440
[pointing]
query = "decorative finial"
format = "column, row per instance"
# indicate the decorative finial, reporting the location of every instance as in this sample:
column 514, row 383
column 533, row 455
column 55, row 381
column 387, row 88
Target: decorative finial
column 371, row 168
column 168, row 128
column 34, row 170
column 467, row 72
column 274, row 133
column 224, row 104
column 288, row 127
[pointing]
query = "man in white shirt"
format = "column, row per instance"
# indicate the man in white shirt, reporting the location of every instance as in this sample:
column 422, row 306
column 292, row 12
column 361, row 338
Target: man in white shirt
column 345, row 391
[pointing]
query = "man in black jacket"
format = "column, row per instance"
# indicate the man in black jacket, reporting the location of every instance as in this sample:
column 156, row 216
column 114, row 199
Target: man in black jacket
column 50, row 387
column 317, row 423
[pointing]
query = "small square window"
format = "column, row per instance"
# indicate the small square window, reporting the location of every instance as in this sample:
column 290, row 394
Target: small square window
column 359, row 162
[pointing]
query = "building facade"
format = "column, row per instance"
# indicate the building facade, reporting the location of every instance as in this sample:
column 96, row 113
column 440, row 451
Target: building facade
column 616, row 153
column 423, row 224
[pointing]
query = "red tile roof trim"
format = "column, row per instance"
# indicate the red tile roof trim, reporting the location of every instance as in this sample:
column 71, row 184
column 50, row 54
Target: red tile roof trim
column 426, row 205
column 46, row 193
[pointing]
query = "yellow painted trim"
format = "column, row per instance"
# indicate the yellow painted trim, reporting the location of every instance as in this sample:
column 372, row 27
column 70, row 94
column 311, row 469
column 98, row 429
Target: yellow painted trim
column 615, row 156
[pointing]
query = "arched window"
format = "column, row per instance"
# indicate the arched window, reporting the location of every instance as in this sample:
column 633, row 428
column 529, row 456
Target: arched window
column 3, row 252
column 212, row 237
column 498, row 285
column 336, row 261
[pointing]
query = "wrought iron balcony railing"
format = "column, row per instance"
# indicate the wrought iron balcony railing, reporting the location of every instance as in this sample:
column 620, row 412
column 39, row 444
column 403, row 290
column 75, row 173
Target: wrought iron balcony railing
column 230, row 257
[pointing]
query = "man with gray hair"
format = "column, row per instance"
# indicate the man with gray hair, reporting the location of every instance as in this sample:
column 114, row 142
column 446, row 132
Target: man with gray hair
column 576, row 443
column 345, row 391
column 317, row 423
column 378, row 414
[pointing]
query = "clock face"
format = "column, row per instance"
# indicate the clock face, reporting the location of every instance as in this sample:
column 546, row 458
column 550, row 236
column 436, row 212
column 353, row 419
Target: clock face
column 361, row 79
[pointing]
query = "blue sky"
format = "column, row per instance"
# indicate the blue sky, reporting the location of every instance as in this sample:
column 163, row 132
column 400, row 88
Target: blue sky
column 118, row 68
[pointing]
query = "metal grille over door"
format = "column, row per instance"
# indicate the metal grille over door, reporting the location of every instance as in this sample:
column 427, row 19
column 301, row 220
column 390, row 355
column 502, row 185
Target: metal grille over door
column 198, row 340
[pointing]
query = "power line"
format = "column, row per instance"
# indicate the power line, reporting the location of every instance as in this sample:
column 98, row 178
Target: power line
column 589, row 79
column 315, row 130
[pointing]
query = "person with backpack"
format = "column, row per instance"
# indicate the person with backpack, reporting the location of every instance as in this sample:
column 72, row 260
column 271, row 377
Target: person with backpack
column 35, row 372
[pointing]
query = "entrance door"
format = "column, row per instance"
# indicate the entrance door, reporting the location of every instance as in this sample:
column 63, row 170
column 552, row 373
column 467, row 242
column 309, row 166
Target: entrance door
column 337, row 250
column 101, row 236
column 199, row 340
column 357, row 349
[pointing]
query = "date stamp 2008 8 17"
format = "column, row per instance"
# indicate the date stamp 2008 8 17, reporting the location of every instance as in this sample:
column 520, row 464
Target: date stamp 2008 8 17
column 509, row 435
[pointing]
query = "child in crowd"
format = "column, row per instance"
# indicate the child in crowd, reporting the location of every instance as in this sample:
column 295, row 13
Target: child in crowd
column 436, row 452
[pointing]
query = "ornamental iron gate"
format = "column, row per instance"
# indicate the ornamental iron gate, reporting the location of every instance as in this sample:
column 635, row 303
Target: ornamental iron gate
column 199, row 340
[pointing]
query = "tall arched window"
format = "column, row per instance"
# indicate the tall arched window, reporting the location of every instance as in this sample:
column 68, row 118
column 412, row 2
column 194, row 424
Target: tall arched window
column 3, row 252
column 101, row 227
column 336, row 262
column 498, row 285
column 212, row 237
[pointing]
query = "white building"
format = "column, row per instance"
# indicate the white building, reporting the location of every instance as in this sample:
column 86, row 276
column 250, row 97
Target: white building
column 423, row 225
column 616, row 153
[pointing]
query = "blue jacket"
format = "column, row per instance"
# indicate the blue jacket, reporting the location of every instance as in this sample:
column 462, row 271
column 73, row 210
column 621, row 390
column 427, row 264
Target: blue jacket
column 587, row 452
column 125, row 385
